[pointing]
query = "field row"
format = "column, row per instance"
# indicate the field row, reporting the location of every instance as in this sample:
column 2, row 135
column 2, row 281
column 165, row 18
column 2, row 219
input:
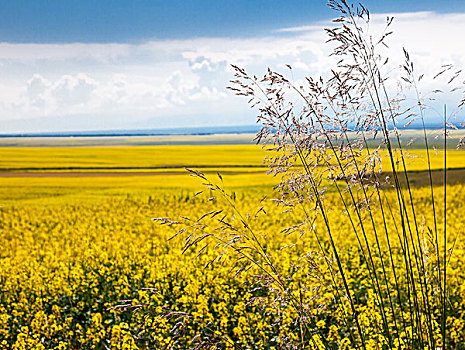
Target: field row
column 236, row 158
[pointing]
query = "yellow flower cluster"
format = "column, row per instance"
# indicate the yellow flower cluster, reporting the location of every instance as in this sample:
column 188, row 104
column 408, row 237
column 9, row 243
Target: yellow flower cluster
column 66, row 264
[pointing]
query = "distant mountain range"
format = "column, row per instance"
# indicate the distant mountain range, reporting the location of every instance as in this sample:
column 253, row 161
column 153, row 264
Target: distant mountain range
column 210, row 130
column 247, row 129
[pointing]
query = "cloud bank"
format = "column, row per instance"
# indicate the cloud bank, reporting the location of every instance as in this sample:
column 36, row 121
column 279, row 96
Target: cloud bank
column 171, row 83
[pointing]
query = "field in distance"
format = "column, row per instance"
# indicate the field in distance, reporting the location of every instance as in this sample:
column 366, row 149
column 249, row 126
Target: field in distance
column 230, row 154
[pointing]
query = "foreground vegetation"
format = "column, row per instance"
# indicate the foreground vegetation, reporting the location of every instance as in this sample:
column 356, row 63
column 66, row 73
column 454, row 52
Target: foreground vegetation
column 76, row 247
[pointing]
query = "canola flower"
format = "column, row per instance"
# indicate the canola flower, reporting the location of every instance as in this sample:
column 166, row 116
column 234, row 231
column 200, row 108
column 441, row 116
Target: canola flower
column 67, row 264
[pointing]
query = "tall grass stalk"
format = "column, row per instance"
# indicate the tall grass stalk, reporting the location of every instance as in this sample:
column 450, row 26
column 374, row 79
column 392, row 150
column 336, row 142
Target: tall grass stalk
column 444, row 298
column 327, row 137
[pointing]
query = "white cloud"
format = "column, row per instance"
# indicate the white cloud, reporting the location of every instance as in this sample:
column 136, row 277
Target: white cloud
column 206, row 94
column 74, row 90
column 300, row 29
column 105, row 53
column 36, row 89
column 164, row 78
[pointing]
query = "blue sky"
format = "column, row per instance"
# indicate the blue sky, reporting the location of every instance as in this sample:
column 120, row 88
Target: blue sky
column 52, row 21
column 86, row 65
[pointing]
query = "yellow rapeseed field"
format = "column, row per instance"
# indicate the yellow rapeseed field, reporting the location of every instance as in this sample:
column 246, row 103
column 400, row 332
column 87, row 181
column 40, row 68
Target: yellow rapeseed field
column 74, row 248
column 162, row 158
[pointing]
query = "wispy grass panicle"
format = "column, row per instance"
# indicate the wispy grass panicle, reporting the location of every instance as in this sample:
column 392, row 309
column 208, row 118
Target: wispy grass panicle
column 335, row 143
